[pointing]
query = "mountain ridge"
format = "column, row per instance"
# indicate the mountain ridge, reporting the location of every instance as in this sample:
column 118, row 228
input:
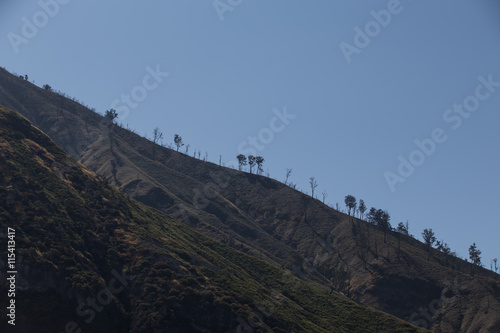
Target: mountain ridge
column 91, row 258
column 269, row 220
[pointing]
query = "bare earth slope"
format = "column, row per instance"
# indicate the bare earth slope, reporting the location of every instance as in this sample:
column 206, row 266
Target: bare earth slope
column 270, row 221
column 91, row 258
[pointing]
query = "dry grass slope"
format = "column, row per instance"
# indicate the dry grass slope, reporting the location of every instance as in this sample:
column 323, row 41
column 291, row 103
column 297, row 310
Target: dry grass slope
column 75, row 233
column 272, row 222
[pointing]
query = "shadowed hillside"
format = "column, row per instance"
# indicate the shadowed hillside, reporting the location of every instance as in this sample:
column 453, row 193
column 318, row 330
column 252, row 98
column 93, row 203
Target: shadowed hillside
column 90, row 257
column 270, row 221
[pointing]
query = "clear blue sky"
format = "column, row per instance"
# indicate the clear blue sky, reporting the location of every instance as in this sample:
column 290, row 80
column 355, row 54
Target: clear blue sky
column 359, row 104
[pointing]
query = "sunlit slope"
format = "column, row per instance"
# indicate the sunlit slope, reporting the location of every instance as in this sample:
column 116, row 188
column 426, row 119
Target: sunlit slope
column 75, row 234
column 270, row 221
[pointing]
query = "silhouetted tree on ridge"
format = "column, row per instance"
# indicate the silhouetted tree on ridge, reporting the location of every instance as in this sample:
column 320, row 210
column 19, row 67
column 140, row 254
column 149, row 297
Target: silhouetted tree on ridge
column 429, row 239
column 361, row 208
column 313, row 183
column 288, row 173
column 178, row 141
column 403, row 228
column 475, row 255
column 259, row 160
column 157, row 137
column 350, row 203
column 242, row 161
column 251, row 162
column 111, row 115
column 325, row 195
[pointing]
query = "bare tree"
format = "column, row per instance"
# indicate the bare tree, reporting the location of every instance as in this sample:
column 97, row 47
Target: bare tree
column 178, row 141
column 325, row 195
column 495, row 262
column 220, row 160
column 313, row 183
column 187, row 148
column 288, row 173
column 157, row 137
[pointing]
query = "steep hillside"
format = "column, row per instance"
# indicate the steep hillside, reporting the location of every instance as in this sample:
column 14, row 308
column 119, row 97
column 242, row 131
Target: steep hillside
column 89, row 256
column 272, row 222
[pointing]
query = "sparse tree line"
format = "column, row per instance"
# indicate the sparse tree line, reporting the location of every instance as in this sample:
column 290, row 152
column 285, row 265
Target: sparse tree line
column 431, row 241
column 250, row 160
column 377, row 217
column 112, row 115
column 157, row 139
column 49, row 88
column 380, row 219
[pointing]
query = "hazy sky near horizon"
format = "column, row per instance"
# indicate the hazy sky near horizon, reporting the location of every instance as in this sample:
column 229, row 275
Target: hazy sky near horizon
column 394, row 102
